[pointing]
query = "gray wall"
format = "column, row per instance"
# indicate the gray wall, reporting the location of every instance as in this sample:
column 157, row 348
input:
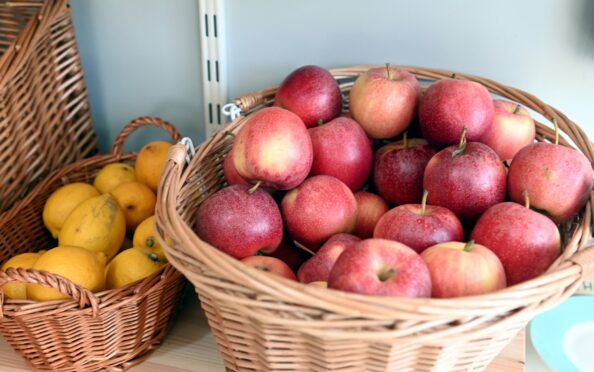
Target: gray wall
column 142, row 56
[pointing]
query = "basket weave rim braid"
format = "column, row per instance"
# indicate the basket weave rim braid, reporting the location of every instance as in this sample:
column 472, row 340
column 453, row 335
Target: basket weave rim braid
column 129, row 321
column 382, row 318
column 42, row 95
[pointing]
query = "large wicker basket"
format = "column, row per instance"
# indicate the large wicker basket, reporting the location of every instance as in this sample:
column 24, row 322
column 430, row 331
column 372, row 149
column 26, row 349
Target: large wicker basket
column 113, row 329
column 45, row 121
column 264, row 323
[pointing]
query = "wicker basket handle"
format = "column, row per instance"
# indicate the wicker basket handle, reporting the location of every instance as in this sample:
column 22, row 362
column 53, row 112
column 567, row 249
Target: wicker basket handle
column 83, row 296
column 118, row 143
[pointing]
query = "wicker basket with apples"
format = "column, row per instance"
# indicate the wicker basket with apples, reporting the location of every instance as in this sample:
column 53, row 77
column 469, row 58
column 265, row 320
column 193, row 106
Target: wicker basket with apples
column 380, row 218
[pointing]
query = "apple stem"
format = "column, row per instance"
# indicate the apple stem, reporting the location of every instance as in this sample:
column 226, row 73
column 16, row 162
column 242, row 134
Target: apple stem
column 462, row 144
column 229, row 133
column 526, row 198
column 468, row 246
column 150, row 242
column 303, row 248
column 253, row 189
column 517, row 109
column 385, row 275
column 424, row 202
column 388, row 71
column 556, row 131
column 320, row 122
column 405, row 139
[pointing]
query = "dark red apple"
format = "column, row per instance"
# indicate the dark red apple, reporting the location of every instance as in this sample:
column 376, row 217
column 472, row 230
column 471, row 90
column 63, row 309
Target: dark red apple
column 399, row 168
column 419, row 226
column 273, row 148
column 320, row 207
column 290, row 254
column 341, row 149
column 463, row 269
column 270, row 265
column 370, row 208
column 382, row 268
column 448, row 105
column 318, row 267
column 511, row 130
column 384, row 101
column 240, row 223
column 467, row 179
column 312, row 93
column 525, row 241
column 557, row 178
column 230, row 173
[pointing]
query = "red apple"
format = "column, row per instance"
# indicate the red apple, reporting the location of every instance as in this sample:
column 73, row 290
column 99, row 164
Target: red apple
column 467, row 179
column 312, row 93
column 341, row 149
column 511, row 130
column 270, row 265
column 240, row 223
column 273, row 148
column 370, row 208
column 463, row 269
column 419, row 226
column 320, row 207
column 399, row 168
column 557, row 178
column 384, row 101
column 290, row 254
column 382, row 268
column 448, row 105
column 230, row 173
column 319, row 266
column 525, row 241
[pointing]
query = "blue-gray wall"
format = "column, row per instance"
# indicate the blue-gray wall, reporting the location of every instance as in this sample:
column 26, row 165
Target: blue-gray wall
column 141, row 57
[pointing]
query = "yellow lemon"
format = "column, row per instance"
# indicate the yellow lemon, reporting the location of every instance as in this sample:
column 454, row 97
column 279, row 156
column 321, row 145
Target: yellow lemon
column 112, row 175
column 144, row 237
column 150, row 162
column 62, row 202
column 81, row 266
column 131, row 265
column 136, row 200
column 20, row 261
column 97, row 224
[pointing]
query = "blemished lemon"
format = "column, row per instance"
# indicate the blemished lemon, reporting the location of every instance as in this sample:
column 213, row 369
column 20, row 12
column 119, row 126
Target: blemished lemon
column 62, row 202
column 97, row 224
column 81, row 266
column 112, row 175
column 20, row 261
column 150, row 162
column 131, row 265
column 136, row 200
column 144, row 237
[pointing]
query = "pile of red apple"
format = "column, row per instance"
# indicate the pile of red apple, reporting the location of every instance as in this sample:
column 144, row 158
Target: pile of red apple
column 475, row 202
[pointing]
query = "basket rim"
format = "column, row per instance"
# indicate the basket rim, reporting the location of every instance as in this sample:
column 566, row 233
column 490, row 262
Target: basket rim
column 562, row 278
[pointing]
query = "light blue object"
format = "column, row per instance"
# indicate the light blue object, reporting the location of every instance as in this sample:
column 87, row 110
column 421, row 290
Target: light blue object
column 563, row 336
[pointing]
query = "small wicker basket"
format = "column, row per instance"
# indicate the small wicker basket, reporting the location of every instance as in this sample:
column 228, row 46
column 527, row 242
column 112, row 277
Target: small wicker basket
column 265, row 323
column 45, row 121
column 113, row 329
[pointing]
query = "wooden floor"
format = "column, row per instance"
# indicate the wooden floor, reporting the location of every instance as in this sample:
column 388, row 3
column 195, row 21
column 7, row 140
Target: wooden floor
column 191, row 347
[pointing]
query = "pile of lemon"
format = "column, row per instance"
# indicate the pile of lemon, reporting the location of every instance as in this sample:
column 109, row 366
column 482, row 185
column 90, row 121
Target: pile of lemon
column 105, row 231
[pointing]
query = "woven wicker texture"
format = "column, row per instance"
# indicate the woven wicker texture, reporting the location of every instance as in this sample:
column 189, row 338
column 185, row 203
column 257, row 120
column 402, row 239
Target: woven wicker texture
column 45, row 121
column 114, row 329
column 264, row 323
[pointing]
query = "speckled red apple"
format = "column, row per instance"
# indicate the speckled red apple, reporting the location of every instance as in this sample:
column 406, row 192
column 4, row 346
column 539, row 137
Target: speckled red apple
column 230, row 173
column 274, row 148
column 270, row 265
column 240, row 223
column 320, row 207
column 318, row 267
column 370, row 208
column 312, row 93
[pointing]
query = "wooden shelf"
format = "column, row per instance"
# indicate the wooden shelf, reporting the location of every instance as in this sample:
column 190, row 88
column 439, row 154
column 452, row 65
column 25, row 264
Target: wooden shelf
column 190, row 346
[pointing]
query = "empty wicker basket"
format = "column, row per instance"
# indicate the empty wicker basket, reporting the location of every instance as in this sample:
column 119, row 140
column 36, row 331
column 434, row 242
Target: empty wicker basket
column 264, row 323
column 45, row 121
column 113, row 329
